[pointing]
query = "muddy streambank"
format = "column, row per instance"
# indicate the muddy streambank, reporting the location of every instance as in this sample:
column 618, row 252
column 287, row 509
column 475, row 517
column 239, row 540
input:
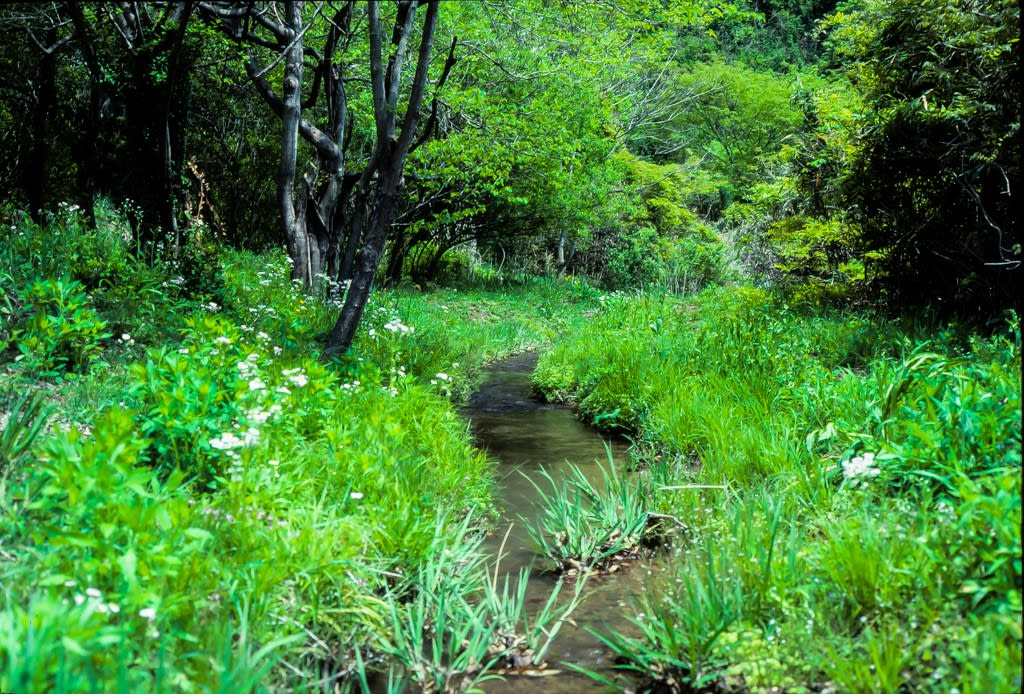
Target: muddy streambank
column 525, row 434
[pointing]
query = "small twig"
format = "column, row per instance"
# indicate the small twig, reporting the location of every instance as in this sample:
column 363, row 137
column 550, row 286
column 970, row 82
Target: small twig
column 667, row 515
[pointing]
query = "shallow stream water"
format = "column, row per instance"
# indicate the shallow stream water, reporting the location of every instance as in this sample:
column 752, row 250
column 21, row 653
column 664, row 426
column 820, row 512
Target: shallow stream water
column 524, row 434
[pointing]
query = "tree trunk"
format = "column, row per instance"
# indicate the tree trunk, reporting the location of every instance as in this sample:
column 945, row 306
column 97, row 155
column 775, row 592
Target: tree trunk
column 39, row 160
column 383, row 212
column 389, row 156
column 293, row 221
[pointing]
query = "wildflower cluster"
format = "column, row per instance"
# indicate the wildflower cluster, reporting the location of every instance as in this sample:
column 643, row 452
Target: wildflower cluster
column 226, row 390
column 860, row 466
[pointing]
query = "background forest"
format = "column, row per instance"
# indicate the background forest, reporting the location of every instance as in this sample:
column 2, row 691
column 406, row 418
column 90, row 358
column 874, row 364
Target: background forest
column 774, row 241
column 864, row 151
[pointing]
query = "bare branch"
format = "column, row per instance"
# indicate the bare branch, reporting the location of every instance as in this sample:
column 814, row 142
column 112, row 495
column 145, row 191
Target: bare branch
column 420, row 80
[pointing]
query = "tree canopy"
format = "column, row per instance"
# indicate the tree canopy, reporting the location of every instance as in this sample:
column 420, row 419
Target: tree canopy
column 377, row 139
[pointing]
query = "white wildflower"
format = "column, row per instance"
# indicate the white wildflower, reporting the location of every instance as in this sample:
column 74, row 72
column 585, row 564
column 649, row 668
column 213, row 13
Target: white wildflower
column 226, row 441
column 395, row 325
column 251, row 436
column 860, row 466
column 258, row 416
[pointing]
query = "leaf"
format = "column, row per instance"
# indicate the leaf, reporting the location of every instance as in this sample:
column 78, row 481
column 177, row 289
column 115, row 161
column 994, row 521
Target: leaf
column 199, row 534
column 128, row 563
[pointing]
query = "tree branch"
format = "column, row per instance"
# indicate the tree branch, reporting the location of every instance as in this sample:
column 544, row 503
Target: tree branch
column 431, row 123
column 420, row 80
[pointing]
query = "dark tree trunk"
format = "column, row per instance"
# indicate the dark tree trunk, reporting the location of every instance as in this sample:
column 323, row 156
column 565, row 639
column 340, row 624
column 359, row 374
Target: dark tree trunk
column 148, row 110
column 390, row 154
column 293, row 219
column 319, row 223
column 38, row 164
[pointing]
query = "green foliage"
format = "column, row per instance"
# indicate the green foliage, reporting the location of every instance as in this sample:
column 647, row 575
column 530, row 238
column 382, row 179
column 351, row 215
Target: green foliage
column 583, row 527
column 938, row 150
column 62, row 331
column 933, row 419
column 735, row 117
column 650, row 237
column 450, row 627
column 132, row 297
column 858, row 486
column 681, row 620
column 768, row 36
column 21, row 426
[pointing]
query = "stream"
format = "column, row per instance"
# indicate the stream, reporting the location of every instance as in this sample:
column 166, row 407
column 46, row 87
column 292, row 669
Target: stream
column 524, row 435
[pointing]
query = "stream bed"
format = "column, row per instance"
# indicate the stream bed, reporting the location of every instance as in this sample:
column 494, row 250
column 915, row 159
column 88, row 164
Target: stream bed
column 525, row 435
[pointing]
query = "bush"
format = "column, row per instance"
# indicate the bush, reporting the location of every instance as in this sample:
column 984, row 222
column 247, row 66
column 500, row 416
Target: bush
column 62, row 331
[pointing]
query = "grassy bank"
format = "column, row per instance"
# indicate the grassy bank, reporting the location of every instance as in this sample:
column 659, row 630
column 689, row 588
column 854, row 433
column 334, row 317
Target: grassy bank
column 190, row 500
column 842, row 492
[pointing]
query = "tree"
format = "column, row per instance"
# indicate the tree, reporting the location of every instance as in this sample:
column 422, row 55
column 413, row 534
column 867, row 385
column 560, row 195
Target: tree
column 938, row 162
column 332, row 209
column 106, row 92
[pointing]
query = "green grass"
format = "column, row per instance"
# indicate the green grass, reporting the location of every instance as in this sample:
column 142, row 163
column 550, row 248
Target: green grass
column 206, row 506
column 202, row 504
column 856, row 483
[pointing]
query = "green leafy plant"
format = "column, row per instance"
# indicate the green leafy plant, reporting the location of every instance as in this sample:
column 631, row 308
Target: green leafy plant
column 584, row 527
column 23, row 423
column 451, row 627
column 62, row 331
column 680, row 622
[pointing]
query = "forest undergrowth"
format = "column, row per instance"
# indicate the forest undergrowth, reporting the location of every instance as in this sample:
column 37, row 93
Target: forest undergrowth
column 190, row 500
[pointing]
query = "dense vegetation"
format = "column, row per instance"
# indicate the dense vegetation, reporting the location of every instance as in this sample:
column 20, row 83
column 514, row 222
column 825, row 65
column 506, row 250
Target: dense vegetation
column 772, row 242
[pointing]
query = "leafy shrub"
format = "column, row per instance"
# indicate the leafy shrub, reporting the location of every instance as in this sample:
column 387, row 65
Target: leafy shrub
column 205, row 401
column 933, row 419
column 116, row 541
column 62, row 331
column 65, row 244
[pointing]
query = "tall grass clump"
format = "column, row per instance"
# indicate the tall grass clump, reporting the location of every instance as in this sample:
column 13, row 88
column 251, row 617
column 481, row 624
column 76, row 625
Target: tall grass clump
column 583, row 526
column 680, row 620
column 859, row 481
column 453, row 625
